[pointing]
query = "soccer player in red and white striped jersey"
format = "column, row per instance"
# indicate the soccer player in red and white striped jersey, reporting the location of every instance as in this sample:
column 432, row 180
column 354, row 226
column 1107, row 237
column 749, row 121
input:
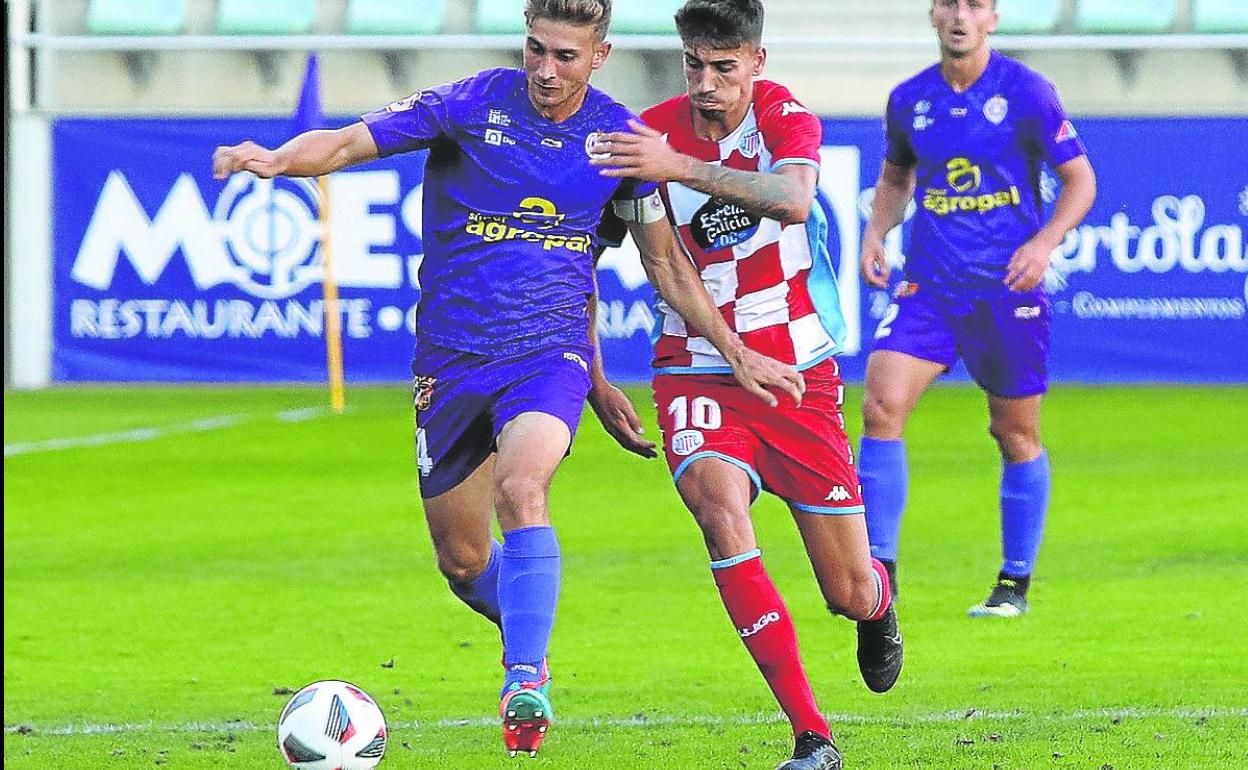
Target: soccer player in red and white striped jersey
column 737, row 161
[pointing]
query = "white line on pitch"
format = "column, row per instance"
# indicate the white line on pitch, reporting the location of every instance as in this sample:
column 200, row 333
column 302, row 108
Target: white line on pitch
column 140, row 435
column 968, row 715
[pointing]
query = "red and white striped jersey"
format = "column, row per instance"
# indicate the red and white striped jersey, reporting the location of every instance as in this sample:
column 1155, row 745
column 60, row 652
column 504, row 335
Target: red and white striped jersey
column 772, row 282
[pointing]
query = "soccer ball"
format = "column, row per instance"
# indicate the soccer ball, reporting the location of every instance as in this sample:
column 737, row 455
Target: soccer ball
column 332, row 726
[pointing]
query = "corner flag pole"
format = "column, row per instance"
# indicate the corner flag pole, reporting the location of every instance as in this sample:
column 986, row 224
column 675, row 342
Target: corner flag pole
column 333, row 317
column 310, row 116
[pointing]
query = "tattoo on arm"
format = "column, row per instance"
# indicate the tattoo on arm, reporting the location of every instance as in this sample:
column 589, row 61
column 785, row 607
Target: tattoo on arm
column 768, row 194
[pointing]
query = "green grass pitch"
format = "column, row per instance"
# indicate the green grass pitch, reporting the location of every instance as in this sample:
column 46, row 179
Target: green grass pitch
column 160, row 588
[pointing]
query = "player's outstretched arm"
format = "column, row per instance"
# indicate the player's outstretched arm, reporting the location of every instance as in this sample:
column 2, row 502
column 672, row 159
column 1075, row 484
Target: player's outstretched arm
column 312, row 153
column 1029, row 262
column 678, row 282
column 612, row 408
column 785, row 194
column 892, row 195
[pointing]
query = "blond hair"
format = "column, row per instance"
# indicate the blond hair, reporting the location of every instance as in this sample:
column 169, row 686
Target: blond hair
column 578, row 12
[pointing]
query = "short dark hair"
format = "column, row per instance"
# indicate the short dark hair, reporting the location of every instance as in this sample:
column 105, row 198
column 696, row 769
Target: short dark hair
column 578, row 12
column 721, row 23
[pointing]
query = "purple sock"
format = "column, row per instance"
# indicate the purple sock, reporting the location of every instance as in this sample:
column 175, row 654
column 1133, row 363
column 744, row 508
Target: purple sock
column 482, row 593
column 884, row 475
column 528, row 589
column 1024, row 504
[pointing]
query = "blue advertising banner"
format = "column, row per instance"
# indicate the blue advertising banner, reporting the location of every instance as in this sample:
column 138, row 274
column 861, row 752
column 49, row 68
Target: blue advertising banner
column 163, row 274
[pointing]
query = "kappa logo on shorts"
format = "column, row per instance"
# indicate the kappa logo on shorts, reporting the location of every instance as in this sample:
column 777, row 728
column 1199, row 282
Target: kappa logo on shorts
column 686, row 442
column 422, row 391
column 839, row 494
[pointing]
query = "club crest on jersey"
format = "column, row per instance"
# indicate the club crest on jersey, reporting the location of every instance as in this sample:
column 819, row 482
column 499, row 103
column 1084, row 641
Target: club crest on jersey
column 722, row 225
column 922, row 108
column 996, row 108
column 751, row 144
column 422, row 391
column 595, row 148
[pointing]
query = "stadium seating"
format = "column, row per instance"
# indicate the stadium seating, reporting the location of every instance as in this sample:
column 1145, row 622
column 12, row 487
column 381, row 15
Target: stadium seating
column 1125, row 16
column 1028, row 17
column 1220, row 15
column 500, row 17
column 387, row 17
column 653, row 17
column 270, row 17
column 136, row 17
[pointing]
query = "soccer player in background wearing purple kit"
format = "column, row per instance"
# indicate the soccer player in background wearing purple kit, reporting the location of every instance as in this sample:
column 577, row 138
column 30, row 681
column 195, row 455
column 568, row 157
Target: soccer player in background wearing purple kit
column 966, row 138
column 503, row 345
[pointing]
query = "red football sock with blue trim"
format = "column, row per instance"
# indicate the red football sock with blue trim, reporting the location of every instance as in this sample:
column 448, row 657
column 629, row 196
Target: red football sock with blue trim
column 765, row 626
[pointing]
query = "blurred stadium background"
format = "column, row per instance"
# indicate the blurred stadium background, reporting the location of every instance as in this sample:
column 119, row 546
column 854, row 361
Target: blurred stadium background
column 174, row 556
column 124, row 259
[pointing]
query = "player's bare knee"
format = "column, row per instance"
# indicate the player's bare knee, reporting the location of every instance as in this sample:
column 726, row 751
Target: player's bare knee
column 855, row 598
column 1017, row 443
column 520, row 501
column 883, row 416
column 462, row 565
column 722, row 527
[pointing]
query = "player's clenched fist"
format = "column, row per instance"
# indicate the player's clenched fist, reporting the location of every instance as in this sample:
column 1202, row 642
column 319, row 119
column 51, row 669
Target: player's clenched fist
column 248, row 156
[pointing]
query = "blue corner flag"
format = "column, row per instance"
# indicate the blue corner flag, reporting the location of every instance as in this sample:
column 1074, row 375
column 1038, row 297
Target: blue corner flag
column 308, row 114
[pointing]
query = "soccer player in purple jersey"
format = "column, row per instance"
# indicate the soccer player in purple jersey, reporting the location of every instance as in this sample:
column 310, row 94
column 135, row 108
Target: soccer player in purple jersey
column 966, row 138
column 503, row 346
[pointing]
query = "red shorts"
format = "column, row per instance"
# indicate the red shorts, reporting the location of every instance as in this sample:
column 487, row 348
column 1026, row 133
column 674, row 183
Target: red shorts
column 801, row 454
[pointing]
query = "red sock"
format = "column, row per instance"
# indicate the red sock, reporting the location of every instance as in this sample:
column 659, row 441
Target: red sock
column 765, row 626
column 884, row 587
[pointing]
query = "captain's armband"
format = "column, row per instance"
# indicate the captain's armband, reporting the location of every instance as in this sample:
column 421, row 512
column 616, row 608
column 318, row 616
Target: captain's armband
column 641, row 210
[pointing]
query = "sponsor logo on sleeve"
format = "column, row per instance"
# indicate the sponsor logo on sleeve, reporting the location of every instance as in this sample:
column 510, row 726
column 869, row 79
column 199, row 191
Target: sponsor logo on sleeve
column 792, row 108
column 405, row 104
column 1066, row 132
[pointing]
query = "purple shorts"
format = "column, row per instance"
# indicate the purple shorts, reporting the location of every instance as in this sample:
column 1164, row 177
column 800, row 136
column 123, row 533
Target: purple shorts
column 1003, row 340
column 464, row 400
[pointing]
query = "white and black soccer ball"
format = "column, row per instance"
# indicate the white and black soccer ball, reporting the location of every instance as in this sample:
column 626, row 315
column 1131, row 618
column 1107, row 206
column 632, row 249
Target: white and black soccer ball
column 332, row 726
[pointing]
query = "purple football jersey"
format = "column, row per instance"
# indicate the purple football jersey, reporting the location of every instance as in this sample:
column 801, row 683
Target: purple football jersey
column 511, row 210
column 977, row 157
